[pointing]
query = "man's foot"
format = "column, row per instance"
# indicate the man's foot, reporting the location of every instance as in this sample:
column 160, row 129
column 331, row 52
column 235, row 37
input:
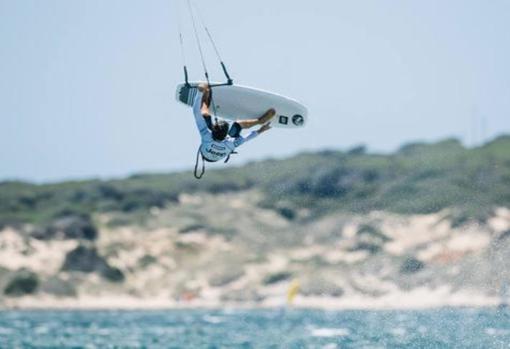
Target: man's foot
column 268, row 115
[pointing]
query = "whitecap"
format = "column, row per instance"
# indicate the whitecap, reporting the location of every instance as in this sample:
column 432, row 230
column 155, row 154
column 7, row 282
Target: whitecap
column 496, row 331
column 6, row 330
column 330, row 346
column 329, row 332
column 41, row 329
column 399, row 331
column 212, row 319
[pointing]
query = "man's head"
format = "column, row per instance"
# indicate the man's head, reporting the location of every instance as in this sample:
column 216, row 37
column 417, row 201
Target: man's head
column 220, row 130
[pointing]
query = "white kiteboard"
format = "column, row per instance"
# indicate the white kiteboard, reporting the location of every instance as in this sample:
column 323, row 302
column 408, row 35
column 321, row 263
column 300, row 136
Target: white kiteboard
column 235, row 102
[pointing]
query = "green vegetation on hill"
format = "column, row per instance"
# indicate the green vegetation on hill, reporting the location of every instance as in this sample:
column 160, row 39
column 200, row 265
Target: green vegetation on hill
column 418, row 178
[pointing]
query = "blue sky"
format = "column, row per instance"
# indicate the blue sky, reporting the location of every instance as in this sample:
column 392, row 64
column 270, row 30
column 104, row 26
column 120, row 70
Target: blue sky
column 87, row 87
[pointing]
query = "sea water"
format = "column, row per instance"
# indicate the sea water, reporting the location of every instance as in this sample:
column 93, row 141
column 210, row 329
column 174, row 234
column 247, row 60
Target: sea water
column 441, row 328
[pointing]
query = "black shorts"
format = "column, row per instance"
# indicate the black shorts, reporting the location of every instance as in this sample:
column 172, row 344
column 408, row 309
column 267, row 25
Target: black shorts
column 234, row 131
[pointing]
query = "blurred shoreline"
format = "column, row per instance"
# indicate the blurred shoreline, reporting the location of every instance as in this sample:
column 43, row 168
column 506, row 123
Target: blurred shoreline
column 417, row 300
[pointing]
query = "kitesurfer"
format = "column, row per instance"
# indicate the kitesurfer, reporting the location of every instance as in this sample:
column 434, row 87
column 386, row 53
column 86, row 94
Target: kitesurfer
column 219, row 139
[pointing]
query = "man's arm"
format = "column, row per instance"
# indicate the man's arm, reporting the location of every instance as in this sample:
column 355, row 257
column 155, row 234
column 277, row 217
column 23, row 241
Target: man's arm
column 201, row 108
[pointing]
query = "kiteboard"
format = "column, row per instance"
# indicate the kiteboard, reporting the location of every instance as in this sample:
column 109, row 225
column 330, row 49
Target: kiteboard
column 236, row 102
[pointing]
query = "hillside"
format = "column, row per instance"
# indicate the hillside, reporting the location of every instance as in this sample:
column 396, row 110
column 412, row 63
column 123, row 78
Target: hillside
column 418, row 178
column 430, row 222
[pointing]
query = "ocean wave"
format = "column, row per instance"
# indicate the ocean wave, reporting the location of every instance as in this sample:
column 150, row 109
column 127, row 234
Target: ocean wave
column 329, row 332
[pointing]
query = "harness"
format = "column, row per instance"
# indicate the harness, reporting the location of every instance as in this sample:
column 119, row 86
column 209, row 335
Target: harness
column 199, row 175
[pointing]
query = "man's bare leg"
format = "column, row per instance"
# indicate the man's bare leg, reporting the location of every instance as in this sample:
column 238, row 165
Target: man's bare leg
column 268, row 115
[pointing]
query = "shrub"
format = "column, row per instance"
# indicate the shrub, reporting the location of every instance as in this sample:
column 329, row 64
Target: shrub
column 87, row 260
column 226, row 276
column 277, row 277
column 22, row 283
column 68, row 227
column 411, row 265
column 112, row 274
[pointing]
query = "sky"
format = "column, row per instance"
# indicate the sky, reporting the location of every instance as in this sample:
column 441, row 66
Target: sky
column 87, row 86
